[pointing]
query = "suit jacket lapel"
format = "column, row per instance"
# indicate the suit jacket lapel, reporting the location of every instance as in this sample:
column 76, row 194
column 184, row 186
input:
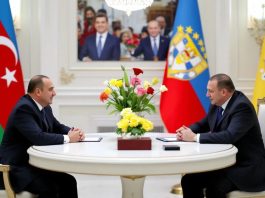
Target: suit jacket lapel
column 38, row 113
column 94, row 48
column 227, row 109
column 161, row 42
column 212, row 118
column 149, row 45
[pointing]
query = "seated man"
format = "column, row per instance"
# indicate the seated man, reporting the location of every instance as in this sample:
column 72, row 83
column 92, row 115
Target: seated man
column 231, row 120
column 154, row 46
column 102, row 45
column 32, row 123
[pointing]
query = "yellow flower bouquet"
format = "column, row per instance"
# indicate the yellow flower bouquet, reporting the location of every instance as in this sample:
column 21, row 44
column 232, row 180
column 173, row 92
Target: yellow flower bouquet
column 133, row 124
column 130, row 97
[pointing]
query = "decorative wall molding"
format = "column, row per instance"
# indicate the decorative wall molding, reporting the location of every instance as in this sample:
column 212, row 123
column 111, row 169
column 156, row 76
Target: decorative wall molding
column 47, row 40
column 66, row 77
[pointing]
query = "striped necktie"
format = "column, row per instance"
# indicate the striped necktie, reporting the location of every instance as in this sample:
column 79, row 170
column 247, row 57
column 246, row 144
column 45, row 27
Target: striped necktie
column 155, row 50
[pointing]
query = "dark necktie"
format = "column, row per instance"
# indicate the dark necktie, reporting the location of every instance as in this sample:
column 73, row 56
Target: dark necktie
column 99, row 48
column 44, row 119
column 219, row 115
column 155, row 47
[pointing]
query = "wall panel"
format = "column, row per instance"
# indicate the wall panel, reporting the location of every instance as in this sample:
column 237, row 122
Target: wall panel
column 47, row 43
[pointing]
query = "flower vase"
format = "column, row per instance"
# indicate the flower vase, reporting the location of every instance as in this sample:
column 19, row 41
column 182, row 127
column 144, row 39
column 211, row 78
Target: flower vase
column 134, row 143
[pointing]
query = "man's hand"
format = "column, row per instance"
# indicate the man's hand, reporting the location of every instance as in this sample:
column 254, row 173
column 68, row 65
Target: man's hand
column 86, row 59
column 185, row 134
column 76, row 135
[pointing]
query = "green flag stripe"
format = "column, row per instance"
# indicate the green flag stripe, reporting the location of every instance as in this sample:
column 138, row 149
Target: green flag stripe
column 1, row 133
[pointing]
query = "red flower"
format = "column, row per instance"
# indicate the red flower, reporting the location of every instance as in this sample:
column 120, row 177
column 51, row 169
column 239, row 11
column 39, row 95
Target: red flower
column 150, row 90
column 132, row 43
column 129, row 42
column 103, row 96
column 137, row 71
column 136, row 42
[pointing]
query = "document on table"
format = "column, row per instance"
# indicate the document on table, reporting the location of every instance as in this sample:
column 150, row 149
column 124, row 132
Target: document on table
column 167, row 139
column 92, row 139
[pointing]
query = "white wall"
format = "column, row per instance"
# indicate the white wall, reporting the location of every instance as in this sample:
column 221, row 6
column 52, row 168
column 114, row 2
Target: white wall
column 47, row 45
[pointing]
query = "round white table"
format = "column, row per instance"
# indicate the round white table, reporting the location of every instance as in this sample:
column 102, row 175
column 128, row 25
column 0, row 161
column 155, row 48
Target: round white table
column 103, row 158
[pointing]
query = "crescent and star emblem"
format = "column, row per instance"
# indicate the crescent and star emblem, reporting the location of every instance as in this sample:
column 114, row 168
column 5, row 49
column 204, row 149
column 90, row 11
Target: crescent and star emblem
column 10, row 75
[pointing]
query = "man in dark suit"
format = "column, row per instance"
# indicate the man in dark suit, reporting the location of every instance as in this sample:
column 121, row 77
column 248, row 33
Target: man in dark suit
column 231, row 120
column 103, row 45
column 164, row 29
column 32, row 123
column 155, row 46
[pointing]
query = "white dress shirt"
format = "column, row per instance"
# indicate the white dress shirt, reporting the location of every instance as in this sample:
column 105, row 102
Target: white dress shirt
column 157, row 39
column 103, row 38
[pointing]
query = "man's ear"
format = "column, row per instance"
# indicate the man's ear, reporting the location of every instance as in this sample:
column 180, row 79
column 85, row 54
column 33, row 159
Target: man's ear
column 224, row 92
column 38, row 91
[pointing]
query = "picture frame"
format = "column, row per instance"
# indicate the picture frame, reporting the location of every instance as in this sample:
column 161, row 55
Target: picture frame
column 75, row 65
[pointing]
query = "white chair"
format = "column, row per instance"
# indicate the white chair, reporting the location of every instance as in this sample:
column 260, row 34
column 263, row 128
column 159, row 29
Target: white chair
column 243, row 194
column 8, row 192
column 261, row 117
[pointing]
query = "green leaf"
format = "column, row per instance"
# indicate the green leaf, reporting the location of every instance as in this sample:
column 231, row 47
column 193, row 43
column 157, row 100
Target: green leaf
column 135, row 131
column 118, row 131
column 114, row 94
column 113, row 112
column 135, row 101
column 129, row 102
column 125, row 77
column 123, row 93
column 152, row 107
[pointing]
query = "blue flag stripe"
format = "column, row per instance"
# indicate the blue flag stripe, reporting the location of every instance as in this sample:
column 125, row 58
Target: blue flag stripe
column 6, row 20
column 188, row 15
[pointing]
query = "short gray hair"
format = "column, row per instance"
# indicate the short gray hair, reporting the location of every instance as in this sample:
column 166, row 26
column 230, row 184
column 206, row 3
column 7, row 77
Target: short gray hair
column 223, row 82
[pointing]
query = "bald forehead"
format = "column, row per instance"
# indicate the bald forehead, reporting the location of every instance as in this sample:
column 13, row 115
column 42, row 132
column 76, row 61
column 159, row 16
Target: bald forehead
column 160, row 18
column 47, row 82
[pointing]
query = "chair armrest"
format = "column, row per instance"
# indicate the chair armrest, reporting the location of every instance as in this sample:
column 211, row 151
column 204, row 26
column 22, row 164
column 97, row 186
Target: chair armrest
column 5, row 169
column 260, row 102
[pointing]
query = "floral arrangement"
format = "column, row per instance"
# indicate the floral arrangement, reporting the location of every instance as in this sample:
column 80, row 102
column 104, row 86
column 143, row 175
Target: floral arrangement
column 133, row 124
column 132, row 43
column 129, row 97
